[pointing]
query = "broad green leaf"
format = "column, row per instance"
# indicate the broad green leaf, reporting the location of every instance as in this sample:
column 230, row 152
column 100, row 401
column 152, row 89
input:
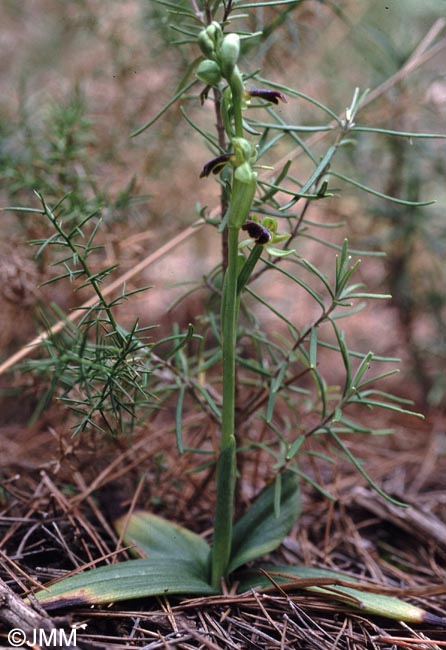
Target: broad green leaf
column 126, row 581
column 259, row 531
column 158, row 538
column 355, row 595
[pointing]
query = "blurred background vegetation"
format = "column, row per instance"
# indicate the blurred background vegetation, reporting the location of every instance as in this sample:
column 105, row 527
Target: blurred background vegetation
column 77, row 77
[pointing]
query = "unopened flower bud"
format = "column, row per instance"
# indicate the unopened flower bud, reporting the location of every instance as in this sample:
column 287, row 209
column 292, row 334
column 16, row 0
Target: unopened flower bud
column 206, row 44
column 209, row 72
column 209, row 39
column 244, row 151
column 215, row 32
column 228, row 54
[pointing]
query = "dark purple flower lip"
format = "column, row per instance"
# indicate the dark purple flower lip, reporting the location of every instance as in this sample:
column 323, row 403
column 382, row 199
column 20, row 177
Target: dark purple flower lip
column 216, row 164
column 269, row 94
column 256, row 231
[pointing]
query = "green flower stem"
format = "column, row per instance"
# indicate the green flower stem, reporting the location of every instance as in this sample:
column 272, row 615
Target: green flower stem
column 229, row 333
column 227, row 464
column 227, row 460
column 237, row 90
column 242, row 195
column 232, row 105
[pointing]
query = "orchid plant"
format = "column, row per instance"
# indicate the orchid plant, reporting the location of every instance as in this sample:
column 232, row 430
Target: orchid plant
column 177, row 560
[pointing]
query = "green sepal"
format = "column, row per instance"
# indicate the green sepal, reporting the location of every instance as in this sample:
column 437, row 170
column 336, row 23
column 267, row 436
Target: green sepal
column 279, row 252
column 277, row 238
column 126, row 581
column 209, row 39
column 209, row 72
column 268, row 520
column 271, row 224
column 158, row 538
column 228, row 54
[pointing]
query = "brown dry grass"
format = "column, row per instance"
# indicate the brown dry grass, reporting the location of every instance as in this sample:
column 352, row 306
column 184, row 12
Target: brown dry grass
column 56, row 518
